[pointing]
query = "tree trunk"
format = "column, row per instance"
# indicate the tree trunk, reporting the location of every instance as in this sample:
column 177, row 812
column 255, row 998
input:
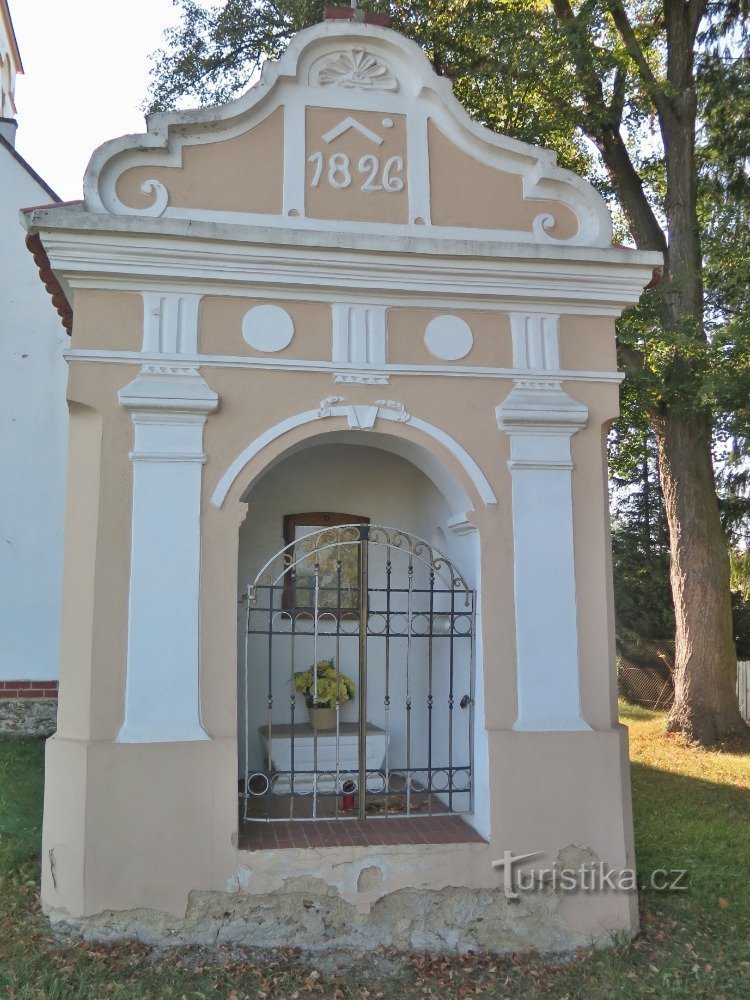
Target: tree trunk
column 705, row 707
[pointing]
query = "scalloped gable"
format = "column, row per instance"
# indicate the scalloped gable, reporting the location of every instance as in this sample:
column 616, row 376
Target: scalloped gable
column 351, row 129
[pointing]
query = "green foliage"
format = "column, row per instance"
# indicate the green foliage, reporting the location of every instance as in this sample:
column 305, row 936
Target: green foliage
column 640, row 540
column 643, row 599
column 331, row 686
column 213, row 53
column 724, row 214
column 739, row 564
column 506, row 65
column 740, row 573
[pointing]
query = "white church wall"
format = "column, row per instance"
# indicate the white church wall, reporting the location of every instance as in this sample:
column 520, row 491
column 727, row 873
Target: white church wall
column 33, row 435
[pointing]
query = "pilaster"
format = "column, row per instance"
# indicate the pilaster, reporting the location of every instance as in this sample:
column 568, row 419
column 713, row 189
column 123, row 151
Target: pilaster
column 540, row 419
column 169, row 408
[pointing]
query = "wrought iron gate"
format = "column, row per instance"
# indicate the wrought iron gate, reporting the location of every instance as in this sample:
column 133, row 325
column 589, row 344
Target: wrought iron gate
column 389, row 611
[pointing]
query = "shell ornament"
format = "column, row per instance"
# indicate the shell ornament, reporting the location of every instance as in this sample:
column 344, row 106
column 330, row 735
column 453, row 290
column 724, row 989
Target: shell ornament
column 356, row 68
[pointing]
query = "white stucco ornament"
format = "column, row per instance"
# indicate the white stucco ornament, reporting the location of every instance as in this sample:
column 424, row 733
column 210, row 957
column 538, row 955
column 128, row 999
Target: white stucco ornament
column 267, row 328
column 448, row 338
column 355, row 68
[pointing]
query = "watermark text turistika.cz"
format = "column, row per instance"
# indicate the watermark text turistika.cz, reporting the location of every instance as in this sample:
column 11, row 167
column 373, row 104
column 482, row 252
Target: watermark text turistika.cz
column 592, row 876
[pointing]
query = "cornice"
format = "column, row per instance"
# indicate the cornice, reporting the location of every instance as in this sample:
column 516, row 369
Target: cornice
column 74, row 218
column 607, row 280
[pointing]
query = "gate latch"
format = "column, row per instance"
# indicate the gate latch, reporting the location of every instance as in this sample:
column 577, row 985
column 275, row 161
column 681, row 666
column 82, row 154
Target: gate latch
column 466, row 701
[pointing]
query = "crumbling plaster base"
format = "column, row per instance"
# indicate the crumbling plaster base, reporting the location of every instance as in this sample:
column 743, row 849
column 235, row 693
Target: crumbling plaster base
column 355, row 899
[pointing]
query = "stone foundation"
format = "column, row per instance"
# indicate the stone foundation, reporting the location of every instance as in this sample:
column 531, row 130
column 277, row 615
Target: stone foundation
column 358, row 899
column 28, row 716
column 311, row 915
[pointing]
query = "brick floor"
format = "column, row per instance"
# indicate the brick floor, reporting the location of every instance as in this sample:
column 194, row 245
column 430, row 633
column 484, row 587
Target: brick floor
column 444, row 829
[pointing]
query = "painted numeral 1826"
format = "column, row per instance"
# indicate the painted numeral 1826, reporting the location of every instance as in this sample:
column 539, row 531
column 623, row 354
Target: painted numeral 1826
column 338, row 172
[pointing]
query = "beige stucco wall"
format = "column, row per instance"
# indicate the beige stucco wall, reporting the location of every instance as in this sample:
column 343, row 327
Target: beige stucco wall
column 587, row 343
column 113, row 320
column 239, row 174
column 464, row 191
column 221, row 328
column 108, row 320
column 251, row 401
column 326, row 201
column 97, row 560
column 491, row 330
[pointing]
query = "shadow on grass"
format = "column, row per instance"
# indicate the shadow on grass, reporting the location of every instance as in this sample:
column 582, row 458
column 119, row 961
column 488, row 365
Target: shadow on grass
column 637, row 713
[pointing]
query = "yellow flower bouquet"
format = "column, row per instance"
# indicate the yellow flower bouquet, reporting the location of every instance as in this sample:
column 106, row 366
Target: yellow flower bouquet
column 332, row 686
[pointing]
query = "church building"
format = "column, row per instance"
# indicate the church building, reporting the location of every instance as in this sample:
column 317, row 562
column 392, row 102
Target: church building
column 33, row 438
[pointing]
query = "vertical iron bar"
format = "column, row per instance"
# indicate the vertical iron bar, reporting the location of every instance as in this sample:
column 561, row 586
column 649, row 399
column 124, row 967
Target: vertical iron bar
column 362, row 742
column 315, row 689
column 450, row 701
column 387, row 699
column 408, row 685
column 338, row 669
column 269, row 765
column 293, row 705
column 247, row 704
column 471, row 704
column 429, row 693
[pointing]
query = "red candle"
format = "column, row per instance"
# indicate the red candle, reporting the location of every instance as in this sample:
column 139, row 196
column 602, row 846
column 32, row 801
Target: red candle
column 350, row 799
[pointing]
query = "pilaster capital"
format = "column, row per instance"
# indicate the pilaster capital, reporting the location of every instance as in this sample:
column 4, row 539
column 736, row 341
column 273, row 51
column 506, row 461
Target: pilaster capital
column 540, row 418
column 167, row 389
column 540, row 407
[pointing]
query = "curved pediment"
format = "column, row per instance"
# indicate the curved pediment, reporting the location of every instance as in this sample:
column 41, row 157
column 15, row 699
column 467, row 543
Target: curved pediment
column 350, row 130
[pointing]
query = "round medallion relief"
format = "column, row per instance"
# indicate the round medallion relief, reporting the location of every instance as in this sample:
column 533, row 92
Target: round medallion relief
column 267, row 328
column 448, row 338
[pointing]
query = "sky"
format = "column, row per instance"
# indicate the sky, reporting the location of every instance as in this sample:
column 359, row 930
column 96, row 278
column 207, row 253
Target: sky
column 86, row 68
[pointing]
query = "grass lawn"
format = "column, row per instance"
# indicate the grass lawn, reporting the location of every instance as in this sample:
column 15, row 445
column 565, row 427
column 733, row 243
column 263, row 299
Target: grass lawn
column 692, row 810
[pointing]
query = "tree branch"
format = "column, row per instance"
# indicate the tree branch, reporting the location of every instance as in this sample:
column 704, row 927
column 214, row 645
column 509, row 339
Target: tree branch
column 632, row 47
column 695, row 11
column 589, row 79
column 604, row 128
column 628, row 184
column 617, row 104
column 630, row 359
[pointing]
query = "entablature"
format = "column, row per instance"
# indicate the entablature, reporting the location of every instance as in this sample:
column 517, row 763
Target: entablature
column 86, row 250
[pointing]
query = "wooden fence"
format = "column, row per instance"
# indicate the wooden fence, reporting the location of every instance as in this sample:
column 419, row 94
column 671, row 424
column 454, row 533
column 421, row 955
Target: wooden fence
column 650, row 684
column 743, row 687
